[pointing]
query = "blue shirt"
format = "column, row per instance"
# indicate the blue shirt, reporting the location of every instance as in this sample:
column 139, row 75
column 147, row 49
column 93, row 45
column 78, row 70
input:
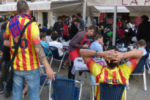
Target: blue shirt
column 96, row 46
column 144, row 51
column 45, row 47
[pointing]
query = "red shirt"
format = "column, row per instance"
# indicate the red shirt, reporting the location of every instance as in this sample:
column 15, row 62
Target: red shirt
column 66, row 29
column 119, row 23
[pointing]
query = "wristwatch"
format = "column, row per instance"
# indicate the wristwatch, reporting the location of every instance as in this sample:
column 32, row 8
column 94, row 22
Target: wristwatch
column 96, row 54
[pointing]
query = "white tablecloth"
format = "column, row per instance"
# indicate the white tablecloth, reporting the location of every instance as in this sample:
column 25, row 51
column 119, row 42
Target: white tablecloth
column 80, row 65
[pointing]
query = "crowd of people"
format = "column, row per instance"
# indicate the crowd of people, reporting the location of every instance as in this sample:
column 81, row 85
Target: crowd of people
column 37, row 39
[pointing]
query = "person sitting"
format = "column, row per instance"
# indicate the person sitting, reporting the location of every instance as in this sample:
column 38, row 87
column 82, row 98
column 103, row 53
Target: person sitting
column 110, row 35
column 126, row 40
column 142, row 46
column 120, row 32
column 59, row 45
column 45, row 45
column 112, row 74
column 48, row 36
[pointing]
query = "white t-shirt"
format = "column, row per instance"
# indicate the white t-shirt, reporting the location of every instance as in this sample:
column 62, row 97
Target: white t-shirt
column 58, row 45
column 48, row 39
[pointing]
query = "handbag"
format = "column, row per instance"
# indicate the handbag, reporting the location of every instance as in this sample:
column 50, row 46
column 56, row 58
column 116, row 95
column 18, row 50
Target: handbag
column 10, row 71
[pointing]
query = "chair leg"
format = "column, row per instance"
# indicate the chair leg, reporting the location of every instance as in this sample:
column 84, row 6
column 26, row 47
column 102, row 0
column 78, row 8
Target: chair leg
column 42, row 86
column 60, row 66
column 144, row 79
column 128, row 86
column 148, row 68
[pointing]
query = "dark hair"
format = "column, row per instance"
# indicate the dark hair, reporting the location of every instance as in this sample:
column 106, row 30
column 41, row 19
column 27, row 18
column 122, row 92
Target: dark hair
column 1, row 20
column 42, row 35
column 145, row 18
column 59, row 18
column 142, row 42
column 63, row 16
column 39, row 25
column 22, row 7
column 91, row 28
column 77, row 20
column 54, row 36
column 73, row 16
column 6, row 19
column 33, row 18
column 79, row 14
column 126, row 34
column 98, row 36
column 48, row 32
column 11, row 17
column 112, row 64
column 3, row 27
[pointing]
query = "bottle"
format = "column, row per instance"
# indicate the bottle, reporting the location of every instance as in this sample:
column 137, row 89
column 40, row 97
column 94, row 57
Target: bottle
column 122, row 45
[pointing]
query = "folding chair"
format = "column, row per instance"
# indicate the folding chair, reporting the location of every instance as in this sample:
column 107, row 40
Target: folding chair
column 141, row 70
column 44, row 81
column 109, row 92
column 56, row 56
column 65, row 89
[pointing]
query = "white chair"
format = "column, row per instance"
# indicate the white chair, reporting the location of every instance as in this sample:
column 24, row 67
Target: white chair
column 140, row 70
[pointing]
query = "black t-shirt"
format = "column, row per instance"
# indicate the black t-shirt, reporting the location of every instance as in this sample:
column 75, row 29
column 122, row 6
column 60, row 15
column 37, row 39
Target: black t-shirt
column 6, row 53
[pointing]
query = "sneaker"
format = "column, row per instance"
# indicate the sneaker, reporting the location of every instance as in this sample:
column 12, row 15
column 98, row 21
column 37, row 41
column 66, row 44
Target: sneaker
column 1, row 91
column 6, row 94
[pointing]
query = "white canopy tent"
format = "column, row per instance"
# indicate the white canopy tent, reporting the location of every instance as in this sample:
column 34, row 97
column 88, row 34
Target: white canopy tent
column 136, row 7
column 39, row 5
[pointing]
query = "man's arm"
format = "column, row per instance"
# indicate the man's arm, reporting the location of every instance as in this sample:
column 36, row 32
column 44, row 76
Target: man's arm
column 6, row 43
column 87, row 54
column 135, row 54
column 41, row 54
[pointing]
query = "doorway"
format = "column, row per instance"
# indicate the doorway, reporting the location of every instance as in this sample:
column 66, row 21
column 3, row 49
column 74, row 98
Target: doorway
column 45, row 19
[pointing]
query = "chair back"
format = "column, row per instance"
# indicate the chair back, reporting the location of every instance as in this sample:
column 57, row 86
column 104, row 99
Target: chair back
column 140, row 65
column 63, row 89
column 111, row 92
column 43, row 78
column 46, row 50
column 54, row 51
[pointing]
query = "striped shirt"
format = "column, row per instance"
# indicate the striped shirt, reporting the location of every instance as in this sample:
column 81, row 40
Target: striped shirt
column 26, row 58
column 119, row 75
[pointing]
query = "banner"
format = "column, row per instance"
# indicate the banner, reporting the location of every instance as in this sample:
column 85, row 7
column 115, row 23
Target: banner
column 118, row 2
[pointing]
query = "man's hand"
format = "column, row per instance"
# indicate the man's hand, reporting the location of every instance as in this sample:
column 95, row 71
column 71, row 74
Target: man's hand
column 85, row 46
column 50, row 73
column 118, row 57
column 41, row 54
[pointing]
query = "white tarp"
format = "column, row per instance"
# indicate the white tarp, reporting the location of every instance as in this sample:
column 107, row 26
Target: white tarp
column 118, row 2
column 33, row 6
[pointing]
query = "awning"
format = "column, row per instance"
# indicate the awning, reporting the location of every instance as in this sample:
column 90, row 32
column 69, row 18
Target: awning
column 118, row 2
column 75, row 6
column 38, row 5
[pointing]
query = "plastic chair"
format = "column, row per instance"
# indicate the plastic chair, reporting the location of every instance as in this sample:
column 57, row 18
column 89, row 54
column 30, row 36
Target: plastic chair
column 109, row 92
column 141, row 70
column 56, row 56
column 64, row 89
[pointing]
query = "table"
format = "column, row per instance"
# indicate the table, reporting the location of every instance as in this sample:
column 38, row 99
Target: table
column 81, row 66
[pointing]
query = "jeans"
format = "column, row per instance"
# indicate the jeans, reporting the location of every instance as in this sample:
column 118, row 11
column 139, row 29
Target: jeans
column 33, row 80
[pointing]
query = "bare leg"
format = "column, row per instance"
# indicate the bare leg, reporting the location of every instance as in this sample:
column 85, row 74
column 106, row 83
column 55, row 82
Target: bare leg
column 66, row 61
column 25, row 89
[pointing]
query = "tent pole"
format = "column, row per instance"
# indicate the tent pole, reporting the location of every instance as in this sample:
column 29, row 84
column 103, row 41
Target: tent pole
column 84, row 10
column 114, row 26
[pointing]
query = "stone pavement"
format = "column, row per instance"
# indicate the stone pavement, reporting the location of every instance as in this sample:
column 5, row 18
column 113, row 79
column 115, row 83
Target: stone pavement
column 136, row 84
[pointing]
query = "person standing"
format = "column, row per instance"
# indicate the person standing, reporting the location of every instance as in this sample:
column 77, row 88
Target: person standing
column 81, row 24
column 65, row 32
column 144, row 31
column 26, row 63
column 102, row 23
column 58, row 26
column 76, row 44
column 74, row 28
column 119, row 23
